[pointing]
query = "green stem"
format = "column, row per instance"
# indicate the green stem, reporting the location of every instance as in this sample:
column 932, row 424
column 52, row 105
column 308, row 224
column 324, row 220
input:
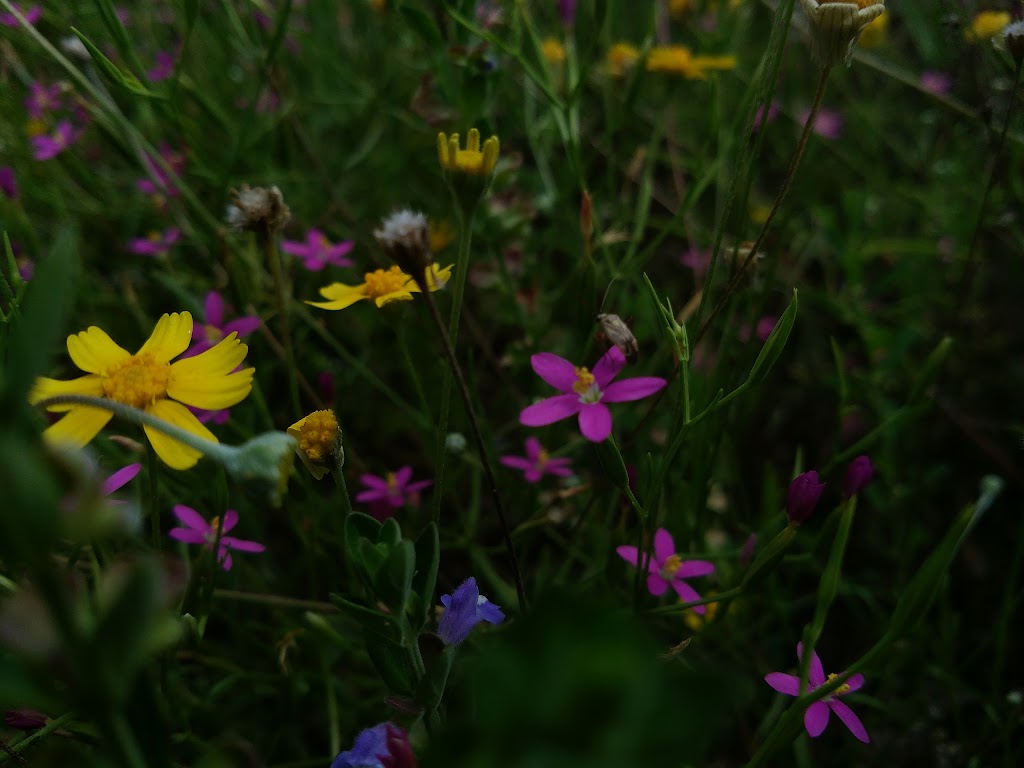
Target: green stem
column 152, row 471
column 452, row 339
column 273, row 256
column 787, row 182
column 39, row 735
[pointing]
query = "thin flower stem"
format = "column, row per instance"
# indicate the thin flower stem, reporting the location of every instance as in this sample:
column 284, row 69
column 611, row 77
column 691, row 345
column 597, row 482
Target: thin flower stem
column 152, row 471
column 465, row 222
column 39, row 735
column 346, row 500
column 787, row 182
column 273, row 256
column 474, row 423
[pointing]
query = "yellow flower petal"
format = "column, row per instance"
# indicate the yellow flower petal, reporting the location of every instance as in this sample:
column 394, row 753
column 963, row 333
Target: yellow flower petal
column 338, row 291
column 79, row 426
column 94, row 351
column 212, row 393
column 170, row 338
column 218, row 360
column 84, row 385
column 403, row 295
column 174, row 454
column 348, row 301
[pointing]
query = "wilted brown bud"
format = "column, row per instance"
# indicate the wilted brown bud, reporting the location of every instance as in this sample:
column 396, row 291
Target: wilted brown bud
column 257, row 209
column 405, row 237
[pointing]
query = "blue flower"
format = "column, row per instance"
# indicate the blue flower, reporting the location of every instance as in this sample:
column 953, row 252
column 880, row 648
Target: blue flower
column 463, row 610
column 370, row 746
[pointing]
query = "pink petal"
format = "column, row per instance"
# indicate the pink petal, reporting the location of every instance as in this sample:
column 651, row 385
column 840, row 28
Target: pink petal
column 402, row 476
column 378, row 483
column 419, row 485
column 294, row 248
column 595, row 421
column 632, row 389
column 856, row 682
column 816, row 718
column 533, row 448
column 783, row 683
column 691, row 568
column 191, row 519
column 187, row 535
column 517, row 462
column 230, row 521
column 120, row 478
column 555, row 370
column 551, row 410
column 816, row 674
column 214, row 309
column 533, row 475
column 608, row 367
column 656, row 585
column 372, row 495
column 664, row 546
column 850, row 720
column 627, row 553
column 243, row 326
column 688, row 594
column 242, row 545
column 224, row 556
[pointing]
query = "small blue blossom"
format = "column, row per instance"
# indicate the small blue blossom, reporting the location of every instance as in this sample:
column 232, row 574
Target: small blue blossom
column 370, row 746
column 463, row 610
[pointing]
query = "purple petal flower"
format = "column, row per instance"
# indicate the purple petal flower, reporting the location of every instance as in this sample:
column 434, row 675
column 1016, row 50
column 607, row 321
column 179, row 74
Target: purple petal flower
column 317, row 251
column 372, row 746
column 765, row 116
column 47, row 147
column 463, row 610
column 585, row 393
column 938, row 83
column 804, row 492
column 197, row 530
column 537, row 462
column 393, row 489
column 219, row 417
column 214, row 328
column 163, row 67
column 828, row 124
column 400, row 754
column 567, row 11
column 43, row 99
column 696, row 259
column 667, row 568
column 817, row 715
column 32, row 15
column 157, row 244
column 858, row 475
column 159, row 182
column 8, row 183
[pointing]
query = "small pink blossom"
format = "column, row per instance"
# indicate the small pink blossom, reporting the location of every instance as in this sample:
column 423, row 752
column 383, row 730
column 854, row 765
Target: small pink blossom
column 47, row 147
column 696, row 259
column 817, row 715
column 219, row 417
column 163, row 184
column 391, row 491
column 938, row 83
column 669, row 569
column 26, row 266
column 537, row 463
column 163, row 67
column 32, row 15
column 198, row 531
column 43, row 99
column 215, row 326
column 585, row 394
column 157, row 244
column 762, row 330
column 317, row 251
column 8, row 183
column 828, row 124
column 763, row 116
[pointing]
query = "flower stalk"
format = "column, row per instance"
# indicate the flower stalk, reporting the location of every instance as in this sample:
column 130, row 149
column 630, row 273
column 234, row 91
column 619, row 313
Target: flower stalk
column 268, row 242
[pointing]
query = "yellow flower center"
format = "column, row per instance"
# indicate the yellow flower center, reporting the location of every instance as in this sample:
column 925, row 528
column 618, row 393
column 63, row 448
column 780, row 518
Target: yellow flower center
column 670, row 566
column 154, row 236
column 214, row 525
column 392, row 483
column 35, row 127
column 138, row 381
column 213, row 333
column 543, row 458
column 584, row 384
column 468, row 161
column 381, row 282
column 844, row 688
column 317, row 436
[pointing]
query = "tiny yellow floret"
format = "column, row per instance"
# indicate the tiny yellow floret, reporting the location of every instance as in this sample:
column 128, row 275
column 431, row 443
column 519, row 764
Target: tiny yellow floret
column 987, row 24
column 553, row 51
column 584, row 381
column 679, row 60
column 319, row 441
column 472, row 160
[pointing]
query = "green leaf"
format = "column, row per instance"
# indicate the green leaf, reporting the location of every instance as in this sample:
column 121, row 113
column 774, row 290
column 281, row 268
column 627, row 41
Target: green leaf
column 113, row 24
column 390, row 533
column 115, row 74
column 372, row 621
column 394, row 579
column 424, row 27
column 428, row 558
column 930, row 369
column 431, row 688
column 774, row 345
column 392, row 662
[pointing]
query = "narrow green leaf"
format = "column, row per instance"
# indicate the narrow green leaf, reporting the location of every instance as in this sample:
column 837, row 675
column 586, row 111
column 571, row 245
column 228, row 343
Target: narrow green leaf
column 774, row 345
column 394, row 579
column 424, row 27
column 428, row 558
column 115, row 74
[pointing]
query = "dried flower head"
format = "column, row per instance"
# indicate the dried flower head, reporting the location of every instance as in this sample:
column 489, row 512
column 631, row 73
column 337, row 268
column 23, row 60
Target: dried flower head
column 257, row 209
column 836, row 26
column 405, row 237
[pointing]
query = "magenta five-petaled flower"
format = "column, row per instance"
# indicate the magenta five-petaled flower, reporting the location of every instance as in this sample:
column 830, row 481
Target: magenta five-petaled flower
column 667, row 568
column 215, row 327
column 317, row 251
column 585, row 393
column 199, row 531
column 48, row 146
column 537, row 462
column 393, row 490
column 156, row 244
column 817, row 715
column 32, row 15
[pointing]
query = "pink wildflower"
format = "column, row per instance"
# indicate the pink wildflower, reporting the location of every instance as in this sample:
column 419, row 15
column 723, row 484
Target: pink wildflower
column 816, row 716
column 584, row 393
column 765, row 116
column 696, row 259
column 8, row 183
column 938, row 83
column 43, row 99
column 32, row 15
column 163, row 185
column 828, row 124
column 163, row 67
column 317, row 251
column 198, row 531
column 392, row 490
column 48, row 147
column 157, row 244
column 669, row 569
column 214, row 327
column 537, row 463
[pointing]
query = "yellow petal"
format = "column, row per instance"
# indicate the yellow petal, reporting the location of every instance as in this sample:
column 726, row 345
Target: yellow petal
column 337, row 291
column 170, row 338
column 84, row 385
column 403, row 295
column 212, row 393
column 295, row 430
column 348, row 301
column 174, row 454
column 79, row 426
column 94, row 352
column 217, row 361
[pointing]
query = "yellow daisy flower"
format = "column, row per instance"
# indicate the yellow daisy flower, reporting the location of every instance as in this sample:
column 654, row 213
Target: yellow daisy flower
column 621, row 57
column 679, row 60
column 148, row 380
column 987, row 24
column 553, row 51
column 472, row 160
column 382, row 286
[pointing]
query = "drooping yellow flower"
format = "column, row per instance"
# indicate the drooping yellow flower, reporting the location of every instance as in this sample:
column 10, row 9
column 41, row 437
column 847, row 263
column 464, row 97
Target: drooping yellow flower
column 150, row 381
column 875, row 32
column 679, row 60
column 319, row 440
column 472, row 160
column 382, row 286
column 621, row 57
column 987, row 25
column 554, row 51
column 836, row 26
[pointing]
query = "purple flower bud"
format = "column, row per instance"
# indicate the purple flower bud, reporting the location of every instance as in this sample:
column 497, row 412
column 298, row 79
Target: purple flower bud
column 567, row 10
column 858, row 475
column 747, row 553
column 804, row 492
column 8, row 183
column 463, row 610
column 24, row 719
column 400, row 754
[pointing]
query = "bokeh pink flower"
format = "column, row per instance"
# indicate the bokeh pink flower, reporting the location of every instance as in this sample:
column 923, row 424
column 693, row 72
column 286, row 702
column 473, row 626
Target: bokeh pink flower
column 667, row 568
